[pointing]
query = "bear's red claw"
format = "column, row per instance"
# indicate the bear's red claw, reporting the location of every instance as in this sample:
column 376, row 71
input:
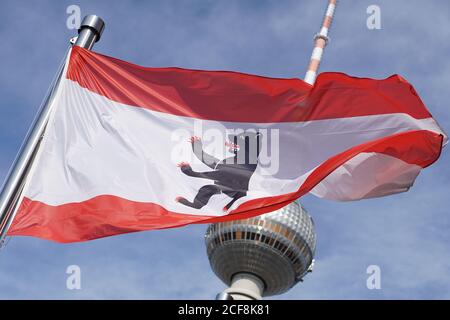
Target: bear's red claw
column 194, row 139
column 183, row 164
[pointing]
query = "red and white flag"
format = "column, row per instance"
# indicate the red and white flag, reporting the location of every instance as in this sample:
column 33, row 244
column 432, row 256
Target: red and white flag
column 129, row 148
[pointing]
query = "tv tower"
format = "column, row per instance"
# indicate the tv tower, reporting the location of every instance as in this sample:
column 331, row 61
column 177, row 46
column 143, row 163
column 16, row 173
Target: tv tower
column 268, row 254
column 262, row 256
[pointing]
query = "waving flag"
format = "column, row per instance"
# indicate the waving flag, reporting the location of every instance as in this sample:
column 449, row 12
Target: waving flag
column 129, row 148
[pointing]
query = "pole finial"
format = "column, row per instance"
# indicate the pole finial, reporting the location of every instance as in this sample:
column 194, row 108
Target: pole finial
column 90, row 31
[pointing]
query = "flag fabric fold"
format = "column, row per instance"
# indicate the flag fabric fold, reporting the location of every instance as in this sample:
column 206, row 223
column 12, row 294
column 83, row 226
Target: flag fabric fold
column 129, row 148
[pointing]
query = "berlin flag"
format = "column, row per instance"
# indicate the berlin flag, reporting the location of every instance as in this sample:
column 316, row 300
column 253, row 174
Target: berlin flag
column 129, row 148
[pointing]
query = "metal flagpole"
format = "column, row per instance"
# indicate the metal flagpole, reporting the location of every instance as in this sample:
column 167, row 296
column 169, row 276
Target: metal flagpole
column 320, row 41
column 90, row 32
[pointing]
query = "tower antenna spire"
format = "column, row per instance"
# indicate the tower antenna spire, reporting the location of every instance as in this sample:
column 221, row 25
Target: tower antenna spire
column 320, row 41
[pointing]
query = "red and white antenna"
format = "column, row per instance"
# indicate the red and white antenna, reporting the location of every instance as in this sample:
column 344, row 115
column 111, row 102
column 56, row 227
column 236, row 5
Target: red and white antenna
column 320, row 41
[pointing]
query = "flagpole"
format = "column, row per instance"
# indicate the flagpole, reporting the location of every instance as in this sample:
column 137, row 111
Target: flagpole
column 90, row 32
column 320, row 41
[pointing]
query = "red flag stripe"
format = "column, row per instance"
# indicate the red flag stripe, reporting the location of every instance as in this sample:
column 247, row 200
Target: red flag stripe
column 238, row 97
column 107, row 215
column 420, row 148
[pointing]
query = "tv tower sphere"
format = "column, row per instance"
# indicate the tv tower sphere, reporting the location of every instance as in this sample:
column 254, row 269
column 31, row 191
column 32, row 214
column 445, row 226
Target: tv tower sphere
column 271, row 252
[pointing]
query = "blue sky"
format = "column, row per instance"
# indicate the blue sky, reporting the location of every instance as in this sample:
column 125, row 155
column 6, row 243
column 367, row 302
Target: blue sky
column 406, row 234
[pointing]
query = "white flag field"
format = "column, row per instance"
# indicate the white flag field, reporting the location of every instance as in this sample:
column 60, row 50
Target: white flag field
column 129, row 148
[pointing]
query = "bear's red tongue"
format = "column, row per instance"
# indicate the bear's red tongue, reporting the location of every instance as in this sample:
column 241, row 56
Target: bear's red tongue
column 232, row 145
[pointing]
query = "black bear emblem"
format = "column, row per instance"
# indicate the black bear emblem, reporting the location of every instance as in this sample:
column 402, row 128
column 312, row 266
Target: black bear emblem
column 231, row 176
